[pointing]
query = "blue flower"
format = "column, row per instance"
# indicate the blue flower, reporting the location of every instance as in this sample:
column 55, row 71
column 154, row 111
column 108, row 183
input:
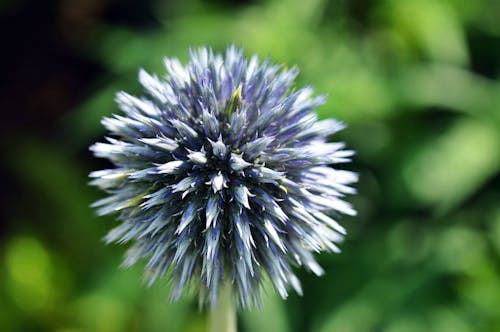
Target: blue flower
column 222, row 174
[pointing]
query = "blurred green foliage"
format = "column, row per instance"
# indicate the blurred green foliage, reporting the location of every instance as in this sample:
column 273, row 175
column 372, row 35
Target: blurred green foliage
column 418, row 84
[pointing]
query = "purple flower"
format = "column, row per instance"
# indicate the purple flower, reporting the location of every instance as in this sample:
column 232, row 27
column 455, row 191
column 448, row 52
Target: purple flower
column 223, row 175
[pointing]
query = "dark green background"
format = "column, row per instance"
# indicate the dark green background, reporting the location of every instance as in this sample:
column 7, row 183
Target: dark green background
column 417, row 81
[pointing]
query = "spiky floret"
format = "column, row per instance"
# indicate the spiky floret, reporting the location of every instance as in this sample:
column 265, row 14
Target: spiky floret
column 222, row 174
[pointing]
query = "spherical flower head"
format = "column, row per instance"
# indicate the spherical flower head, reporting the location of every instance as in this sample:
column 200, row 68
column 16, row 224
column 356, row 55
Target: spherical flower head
column 223, row 174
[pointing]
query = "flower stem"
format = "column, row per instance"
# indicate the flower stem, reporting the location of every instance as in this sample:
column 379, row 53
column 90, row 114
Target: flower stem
column 223, row 316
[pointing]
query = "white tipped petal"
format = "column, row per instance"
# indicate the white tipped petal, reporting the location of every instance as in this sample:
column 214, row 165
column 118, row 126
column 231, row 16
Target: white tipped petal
column 296, row 284
column 187, row 217
column 218, row 182
column 162, row 143
column 198, row 158
column 315, row 268
column 335, row 204
column 212, row 210
column 218, row 147
column 238, row 163
column 170, row 167
column 330, row 222
column 241, row 194
column 271, row 231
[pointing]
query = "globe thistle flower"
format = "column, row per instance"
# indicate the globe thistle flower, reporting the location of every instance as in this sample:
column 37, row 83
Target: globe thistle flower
column 223, row 175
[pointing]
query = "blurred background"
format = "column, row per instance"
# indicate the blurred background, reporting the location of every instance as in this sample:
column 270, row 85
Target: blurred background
column 417, row 81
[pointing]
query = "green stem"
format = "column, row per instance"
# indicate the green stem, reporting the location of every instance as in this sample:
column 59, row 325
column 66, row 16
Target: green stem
column 223, row 316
